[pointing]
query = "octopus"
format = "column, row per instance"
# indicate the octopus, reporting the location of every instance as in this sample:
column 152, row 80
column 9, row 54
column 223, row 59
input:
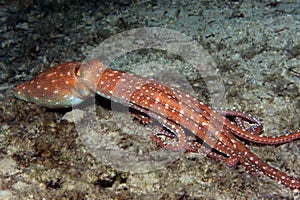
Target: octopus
column 187, row 123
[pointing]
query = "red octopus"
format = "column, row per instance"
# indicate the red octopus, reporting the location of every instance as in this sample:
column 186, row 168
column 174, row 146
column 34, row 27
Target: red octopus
column 193, row 125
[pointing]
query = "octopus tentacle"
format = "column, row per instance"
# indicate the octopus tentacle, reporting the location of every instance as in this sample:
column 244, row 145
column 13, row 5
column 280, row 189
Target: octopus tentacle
column 180, row 114
column 206, row 133
column 270, row 171
column 241, row 117
column 236, row 130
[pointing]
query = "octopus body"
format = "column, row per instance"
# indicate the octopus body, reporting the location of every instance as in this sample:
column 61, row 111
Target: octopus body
column 193, row 125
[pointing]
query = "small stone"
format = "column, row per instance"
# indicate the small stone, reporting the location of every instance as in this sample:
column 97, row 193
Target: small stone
column 74, row 115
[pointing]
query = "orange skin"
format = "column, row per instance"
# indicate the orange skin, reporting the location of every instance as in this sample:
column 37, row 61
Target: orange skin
column 71, row 83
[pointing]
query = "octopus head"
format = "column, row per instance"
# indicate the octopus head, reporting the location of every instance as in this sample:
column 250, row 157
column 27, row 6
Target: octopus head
column 56, row 87
column 90, row 74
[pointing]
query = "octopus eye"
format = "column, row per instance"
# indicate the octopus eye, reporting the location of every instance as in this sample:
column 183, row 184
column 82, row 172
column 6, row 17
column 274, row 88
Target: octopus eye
column 77, row 70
